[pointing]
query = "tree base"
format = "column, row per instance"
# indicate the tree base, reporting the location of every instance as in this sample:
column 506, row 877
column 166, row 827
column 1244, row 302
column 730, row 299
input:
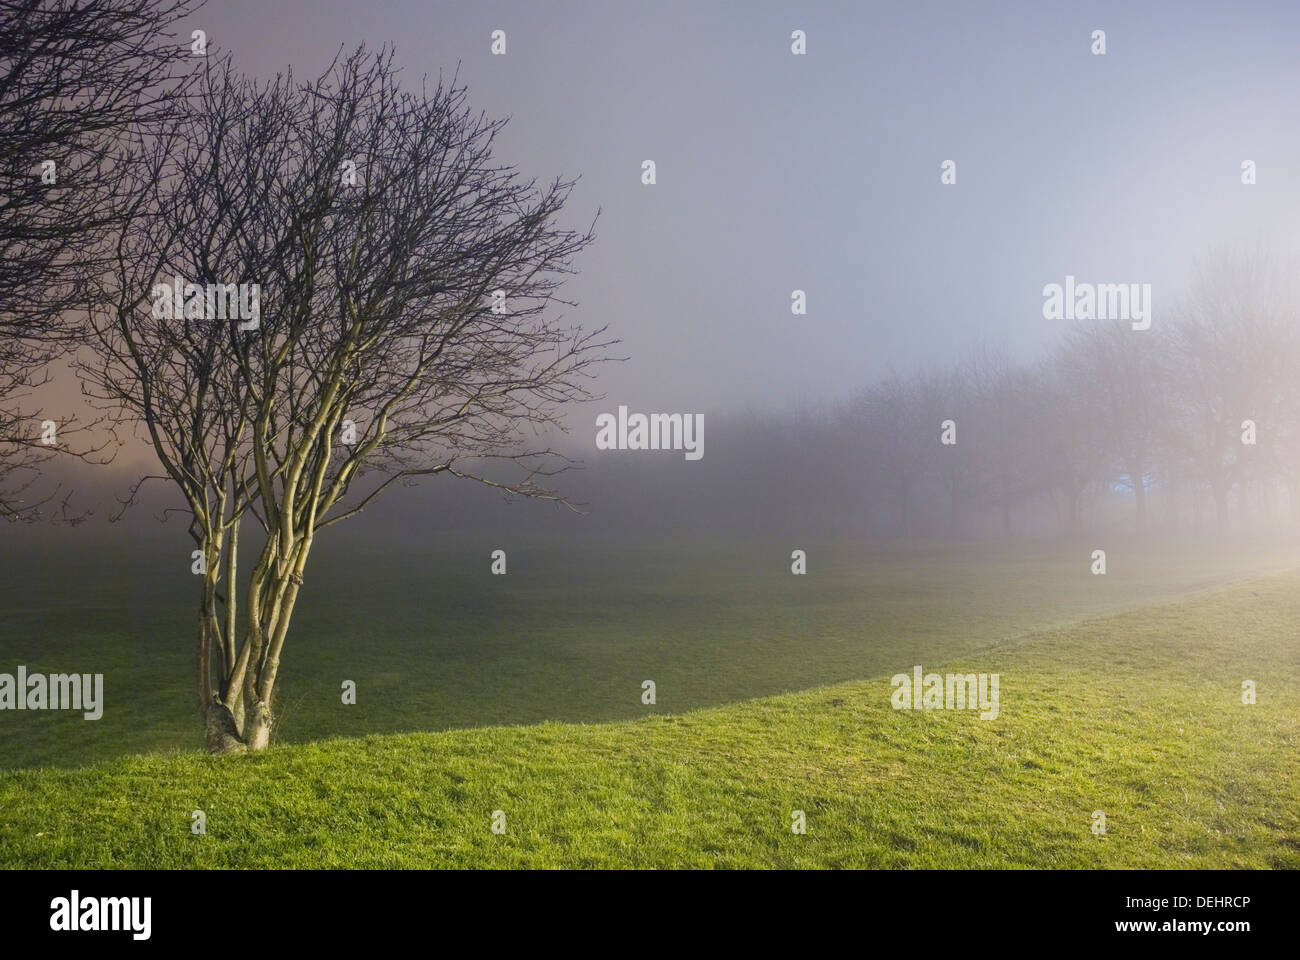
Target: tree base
column 220, row 735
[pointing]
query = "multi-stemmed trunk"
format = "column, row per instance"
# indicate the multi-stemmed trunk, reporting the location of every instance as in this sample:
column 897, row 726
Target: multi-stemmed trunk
column 237, row 704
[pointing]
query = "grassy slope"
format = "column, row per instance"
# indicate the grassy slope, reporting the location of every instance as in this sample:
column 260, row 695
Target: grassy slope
column 1138, row 715
column 434, row 642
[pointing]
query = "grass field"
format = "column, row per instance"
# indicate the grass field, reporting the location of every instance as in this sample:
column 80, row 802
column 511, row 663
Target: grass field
column 434, row 642
column 1119, row 693
column 1138, row 715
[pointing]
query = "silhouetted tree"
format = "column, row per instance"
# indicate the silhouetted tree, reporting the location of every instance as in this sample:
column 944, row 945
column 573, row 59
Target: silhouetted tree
column 79, row 82
column 406, row 328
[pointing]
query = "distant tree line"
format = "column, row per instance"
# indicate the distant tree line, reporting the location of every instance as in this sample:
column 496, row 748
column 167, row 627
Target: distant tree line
column 1191, row 424
column 1194, row 421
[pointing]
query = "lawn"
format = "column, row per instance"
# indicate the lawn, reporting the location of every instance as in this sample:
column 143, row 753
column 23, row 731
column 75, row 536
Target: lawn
column 433, row 641
column 1137, row 714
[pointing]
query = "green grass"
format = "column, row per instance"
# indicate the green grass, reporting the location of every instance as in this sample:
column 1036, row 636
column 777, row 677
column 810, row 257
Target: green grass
column 1137, row 714
column 434, row 642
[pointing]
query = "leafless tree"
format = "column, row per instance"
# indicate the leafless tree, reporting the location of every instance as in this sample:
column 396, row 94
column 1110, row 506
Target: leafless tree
column 1112, row 378
column 1231, row 357
column 1070, row 443
column 409, row 286
column 1003, row 434
column 899, row 421
column 79, row 81
column 955, row 465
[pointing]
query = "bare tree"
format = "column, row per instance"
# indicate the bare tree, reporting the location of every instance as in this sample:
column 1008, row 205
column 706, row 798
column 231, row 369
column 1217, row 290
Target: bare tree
column 899, row 420
column 406, row 328
column 1002, row 431
column 1114, row 380
column 79, row 80
column 1229, row 362
column 955, row 464
column 1070, row 440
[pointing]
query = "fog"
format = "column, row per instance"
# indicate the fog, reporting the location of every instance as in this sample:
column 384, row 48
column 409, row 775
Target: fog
column 924, row 300
column 822, row 172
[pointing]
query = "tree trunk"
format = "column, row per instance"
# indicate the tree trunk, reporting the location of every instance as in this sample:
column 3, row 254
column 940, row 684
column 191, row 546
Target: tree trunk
column 220, row 735
column 257, row 725
column 204, row 666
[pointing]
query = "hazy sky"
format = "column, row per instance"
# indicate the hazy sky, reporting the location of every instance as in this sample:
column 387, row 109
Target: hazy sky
column 821, row 172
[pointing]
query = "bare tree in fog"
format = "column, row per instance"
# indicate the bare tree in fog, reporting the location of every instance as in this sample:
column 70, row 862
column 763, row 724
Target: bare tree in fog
column 1206, row 402
column 79, row 81
column 1231, row 350
column 1118, row 379
column 1003, row 439
column 898, row 420
column 405, row 328
column 955, row 467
